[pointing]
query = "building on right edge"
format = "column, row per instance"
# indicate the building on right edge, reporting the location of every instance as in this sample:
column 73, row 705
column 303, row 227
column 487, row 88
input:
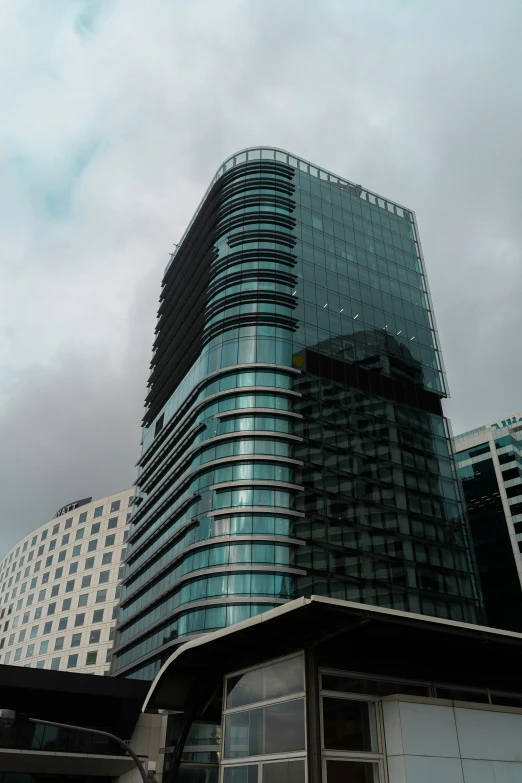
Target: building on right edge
column 489, row 460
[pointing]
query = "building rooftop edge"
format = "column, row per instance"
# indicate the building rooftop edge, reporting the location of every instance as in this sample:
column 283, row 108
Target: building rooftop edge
column 329, row 176
column 499, row 424
column 56, row 516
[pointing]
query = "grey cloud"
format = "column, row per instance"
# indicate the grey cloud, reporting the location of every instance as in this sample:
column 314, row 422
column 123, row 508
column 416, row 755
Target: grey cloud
column 113, row 125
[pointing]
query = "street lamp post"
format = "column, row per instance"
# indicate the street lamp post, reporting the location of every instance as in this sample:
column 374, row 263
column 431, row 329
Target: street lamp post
column 9, row 717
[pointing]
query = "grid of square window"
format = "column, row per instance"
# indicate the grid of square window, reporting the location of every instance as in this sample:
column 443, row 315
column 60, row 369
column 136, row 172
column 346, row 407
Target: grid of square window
column 60, row 589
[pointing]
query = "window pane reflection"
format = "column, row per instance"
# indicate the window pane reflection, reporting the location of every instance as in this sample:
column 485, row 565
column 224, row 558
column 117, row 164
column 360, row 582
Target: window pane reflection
column 333, row 682
column 284, row 772
column 349, row 725
column 269, row 682
column 243, row 774
column 275, row 729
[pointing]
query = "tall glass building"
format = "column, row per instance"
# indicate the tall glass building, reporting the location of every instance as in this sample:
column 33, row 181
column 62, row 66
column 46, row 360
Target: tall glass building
column 293, row 440
column 489, row 460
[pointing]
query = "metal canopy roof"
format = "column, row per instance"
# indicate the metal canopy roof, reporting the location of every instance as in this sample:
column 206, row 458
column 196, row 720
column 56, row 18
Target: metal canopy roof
column 106, row 703
column 348, row 635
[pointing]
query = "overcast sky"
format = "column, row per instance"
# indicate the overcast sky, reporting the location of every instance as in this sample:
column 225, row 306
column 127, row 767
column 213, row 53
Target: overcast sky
column 115, row 114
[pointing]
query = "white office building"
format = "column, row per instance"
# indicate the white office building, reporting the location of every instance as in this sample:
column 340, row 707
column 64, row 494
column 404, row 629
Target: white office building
column 59, row 588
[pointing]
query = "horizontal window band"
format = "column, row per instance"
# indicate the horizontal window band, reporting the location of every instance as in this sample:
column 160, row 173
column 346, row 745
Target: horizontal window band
column 280, row 185
column 227, row 323
column 178, row 533
column 190, row 473
column 225, row 224
column 275, row 412
column 215, row 374
column 262, row 236
column 221, row 461
column 276, row 168
column 176, row 510
column 237, row 391
column 146, row 475
column 189, row 636
column 193, row 451
column 252, row 296
column 253, row 275
column 210, row 543
column 262, row 204
column 245, row 510
column 246, row 256
column 252, row 568
column 255, row 483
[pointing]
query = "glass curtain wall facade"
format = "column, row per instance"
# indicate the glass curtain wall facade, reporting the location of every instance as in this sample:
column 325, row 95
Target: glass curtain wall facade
column 489, row 461
column 293, row 440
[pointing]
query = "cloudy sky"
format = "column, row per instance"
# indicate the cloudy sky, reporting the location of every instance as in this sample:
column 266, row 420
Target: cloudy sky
column 115, row 114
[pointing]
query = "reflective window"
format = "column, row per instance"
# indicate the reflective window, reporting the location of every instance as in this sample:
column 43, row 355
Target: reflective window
column 351, row 729
column 273, row 729
column 268, row 682
column 354, row 684
column 240, row 773
column 291, row 771
column 98, row 511
column 115, row 506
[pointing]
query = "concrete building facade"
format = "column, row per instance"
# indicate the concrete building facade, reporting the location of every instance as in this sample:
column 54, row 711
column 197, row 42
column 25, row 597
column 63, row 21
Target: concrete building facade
column 59, row 588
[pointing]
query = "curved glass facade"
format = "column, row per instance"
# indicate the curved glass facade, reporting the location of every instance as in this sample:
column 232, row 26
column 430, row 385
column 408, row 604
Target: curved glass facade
column 293, row 440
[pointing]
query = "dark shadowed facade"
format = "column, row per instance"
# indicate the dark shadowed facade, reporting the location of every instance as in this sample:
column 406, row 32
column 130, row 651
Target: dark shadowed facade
column 293, row 439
